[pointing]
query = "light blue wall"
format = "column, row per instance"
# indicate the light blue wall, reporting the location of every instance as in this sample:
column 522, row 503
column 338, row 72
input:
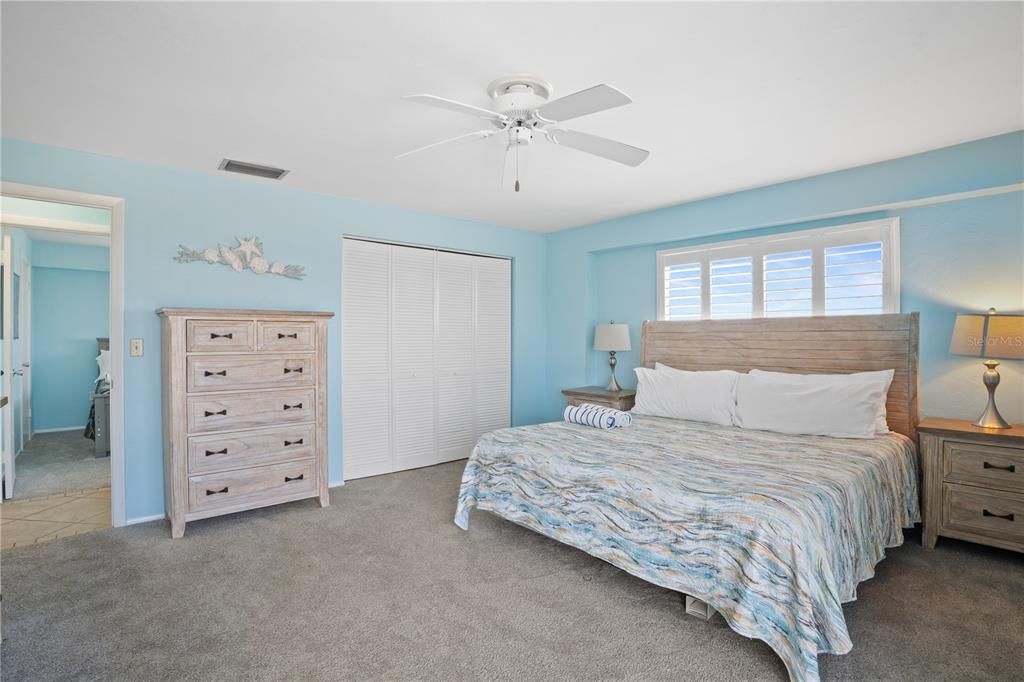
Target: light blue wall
column 70, row 309
column 963, row 255
column 166, row 207
column 47, row 254
column 945, row 265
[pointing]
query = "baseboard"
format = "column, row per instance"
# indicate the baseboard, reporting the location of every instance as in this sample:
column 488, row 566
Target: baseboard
column 63, row 428
column 145, row 519
column 336, row 484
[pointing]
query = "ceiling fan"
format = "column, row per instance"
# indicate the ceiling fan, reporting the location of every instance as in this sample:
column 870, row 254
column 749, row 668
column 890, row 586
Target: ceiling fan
column 521, row 110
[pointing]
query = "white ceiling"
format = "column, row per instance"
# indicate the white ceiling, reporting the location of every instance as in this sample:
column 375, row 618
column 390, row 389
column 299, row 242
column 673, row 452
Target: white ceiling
column 726, row 96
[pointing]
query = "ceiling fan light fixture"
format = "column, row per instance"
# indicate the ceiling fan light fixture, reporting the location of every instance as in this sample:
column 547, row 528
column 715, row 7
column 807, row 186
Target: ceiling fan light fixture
column 520, row 105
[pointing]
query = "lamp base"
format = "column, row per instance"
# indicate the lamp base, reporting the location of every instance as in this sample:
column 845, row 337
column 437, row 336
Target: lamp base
column 613, row 385
column 990, row 418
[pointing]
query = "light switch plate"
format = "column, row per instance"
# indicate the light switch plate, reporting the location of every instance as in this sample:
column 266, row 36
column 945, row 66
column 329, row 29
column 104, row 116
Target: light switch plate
column 135, row 348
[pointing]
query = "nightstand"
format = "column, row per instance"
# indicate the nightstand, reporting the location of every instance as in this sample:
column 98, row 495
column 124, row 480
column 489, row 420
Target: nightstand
column 973, row 483
column 617, row 400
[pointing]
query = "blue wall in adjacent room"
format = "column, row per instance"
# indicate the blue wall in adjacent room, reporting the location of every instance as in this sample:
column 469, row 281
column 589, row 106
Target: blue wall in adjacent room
column 70, row 309
column 166, row 207
column 956, row 254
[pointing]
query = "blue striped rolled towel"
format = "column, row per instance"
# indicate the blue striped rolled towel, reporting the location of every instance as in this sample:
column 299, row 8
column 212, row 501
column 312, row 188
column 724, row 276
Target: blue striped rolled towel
column 597, row 416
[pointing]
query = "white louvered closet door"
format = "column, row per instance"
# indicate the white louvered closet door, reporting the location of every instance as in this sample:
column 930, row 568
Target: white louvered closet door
column 456, row 434
column 366, row 359
column 426, row 362
column 492, row 375
column 413, row 418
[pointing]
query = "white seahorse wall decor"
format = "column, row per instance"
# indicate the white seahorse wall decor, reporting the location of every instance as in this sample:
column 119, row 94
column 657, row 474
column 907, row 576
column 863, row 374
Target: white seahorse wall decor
column 248, row 254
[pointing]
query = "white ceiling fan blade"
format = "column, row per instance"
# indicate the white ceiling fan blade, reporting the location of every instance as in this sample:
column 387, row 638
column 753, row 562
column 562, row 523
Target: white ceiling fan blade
column 479, row 134
column 600, row 146
column 452, row 105
column 589, row 101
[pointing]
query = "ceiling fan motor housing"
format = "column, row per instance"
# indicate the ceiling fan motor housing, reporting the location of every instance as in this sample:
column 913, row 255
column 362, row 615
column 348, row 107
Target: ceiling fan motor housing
column 518, row 95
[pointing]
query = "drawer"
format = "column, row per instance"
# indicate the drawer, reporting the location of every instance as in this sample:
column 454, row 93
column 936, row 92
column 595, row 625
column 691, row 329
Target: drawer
column 214, row 335
column 285, row 336
column 239, row 372
column 258, row 486
column 987, row 465
column 249, row 410
column 249, row 448
column 985, row 512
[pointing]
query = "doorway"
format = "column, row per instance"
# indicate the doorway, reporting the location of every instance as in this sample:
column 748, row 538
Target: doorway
column 61, row 307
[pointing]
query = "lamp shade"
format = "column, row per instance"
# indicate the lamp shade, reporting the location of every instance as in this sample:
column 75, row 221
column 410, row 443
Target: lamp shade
column 988, row 336
column 611, row 336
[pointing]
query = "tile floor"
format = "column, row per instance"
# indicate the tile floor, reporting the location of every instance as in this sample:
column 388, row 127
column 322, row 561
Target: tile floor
column 39, row 519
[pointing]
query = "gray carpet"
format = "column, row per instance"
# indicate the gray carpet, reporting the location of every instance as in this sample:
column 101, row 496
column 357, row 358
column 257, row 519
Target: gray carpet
column 382, row 585
column 52, row 463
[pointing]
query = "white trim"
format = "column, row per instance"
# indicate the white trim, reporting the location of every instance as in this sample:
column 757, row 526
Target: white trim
column 886, row 230
column 145, row 519
column 54, row 224
column 117, row 236
column 60, row 430
column 336, row 484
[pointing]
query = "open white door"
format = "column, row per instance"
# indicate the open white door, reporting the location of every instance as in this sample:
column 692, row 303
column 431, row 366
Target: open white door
column 26, row 353
column 7, row 411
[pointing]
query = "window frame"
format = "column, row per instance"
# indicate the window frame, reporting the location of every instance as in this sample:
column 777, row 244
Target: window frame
column 885, row 230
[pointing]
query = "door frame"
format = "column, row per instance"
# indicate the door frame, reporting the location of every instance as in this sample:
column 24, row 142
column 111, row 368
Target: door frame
column 7, row 380
column 117, row 350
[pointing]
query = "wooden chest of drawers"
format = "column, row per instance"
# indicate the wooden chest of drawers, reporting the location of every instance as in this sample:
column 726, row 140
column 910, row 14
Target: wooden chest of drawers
column 973, row 483
column 244, row 404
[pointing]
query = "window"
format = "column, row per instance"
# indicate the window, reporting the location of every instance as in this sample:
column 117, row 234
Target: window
column 843, row 270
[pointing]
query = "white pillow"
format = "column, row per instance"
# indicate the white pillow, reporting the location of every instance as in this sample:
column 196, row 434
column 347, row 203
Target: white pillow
column 883, row 377
column 834, row 405
column 103, row 360
column 679, row 394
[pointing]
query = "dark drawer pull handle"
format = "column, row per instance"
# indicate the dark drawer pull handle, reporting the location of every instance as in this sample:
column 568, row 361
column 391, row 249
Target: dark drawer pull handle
column 296, row 406
column 217, row 452
column 222, row 373
column 289, row 370
column 229, row 335
column 222, row 413
column 986, row 512
column 216, row 492
column 293, row 478
column 1009, row 467
column 288, row 336
column 293, row 442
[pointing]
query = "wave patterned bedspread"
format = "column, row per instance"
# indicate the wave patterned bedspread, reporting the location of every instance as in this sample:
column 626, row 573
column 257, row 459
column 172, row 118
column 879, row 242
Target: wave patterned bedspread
column 774, row 531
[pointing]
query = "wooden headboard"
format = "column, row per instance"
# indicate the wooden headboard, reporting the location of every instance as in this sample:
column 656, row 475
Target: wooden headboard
column 805, row 345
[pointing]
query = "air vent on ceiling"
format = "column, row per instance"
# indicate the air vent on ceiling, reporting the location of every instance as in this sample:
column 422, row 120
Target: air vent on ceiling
column 256, row 169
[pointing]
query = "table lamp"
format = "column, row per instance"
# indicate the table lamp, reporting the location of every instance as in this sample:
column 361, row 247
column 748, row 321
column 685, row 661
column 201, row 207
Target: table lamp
column 612, row 337
column 989, row 336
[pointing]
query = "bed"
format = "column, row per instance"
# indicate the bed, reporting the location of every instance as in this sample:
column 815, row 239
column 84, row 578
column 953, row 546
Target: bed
column 774, row 531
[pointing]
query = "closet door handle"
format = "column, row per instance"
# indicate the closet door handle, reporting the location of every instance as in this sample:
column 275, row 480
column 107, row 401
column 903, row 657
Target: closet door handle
column 1009, row 467
column 222, row 413
column 222, row 373
column 296, row 406
column 217, row 492
column 229, row 335
column 293, row 442
column 289, row 370
column 288, row 336
column 986, row 512
column 288, row 479
column 223, row 451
